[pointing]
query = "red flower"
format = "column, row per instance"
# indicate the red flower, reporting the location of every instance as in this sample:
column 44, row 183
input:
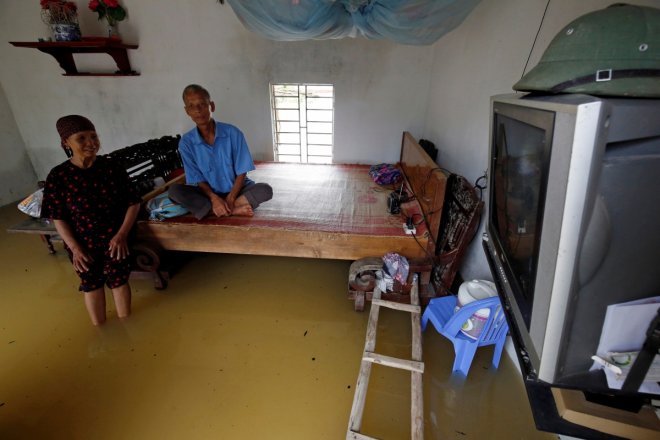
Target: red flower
column 110, row 9
column 58, row 11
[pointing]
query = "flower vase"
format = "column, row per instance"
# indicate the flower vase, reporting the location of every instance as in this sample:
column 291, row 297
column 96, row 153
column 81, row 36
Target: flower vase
column 113, row 30
column 65, row 31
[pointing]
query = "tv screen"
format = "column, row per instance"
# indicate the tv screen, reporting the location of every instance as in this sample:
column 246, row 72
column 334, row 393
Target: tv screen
column 520, row 167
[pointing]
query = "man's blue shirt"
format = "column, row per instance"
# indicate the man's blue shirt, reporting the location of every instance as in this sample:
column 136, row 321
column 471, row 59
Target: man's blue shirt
column 218, row 164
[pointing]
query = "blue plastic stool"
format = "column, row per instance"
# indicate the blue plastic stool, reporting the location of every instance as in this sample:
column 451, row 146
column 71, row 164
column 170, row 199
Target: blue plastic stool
column 440, row 312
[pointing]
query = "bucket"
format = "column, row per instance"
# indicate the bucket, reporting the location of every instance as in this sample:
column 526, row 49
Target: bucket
column 473, row 291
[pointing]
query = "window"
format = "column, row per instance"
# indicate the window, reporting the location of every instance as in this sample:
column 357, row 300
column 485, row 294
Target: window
column 303, row 120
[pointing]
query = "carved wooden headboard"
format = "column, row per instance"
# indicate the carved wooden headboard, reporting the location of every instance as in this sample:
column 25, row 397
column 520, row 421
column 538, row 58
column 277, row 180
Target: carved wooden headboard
column 427, row 180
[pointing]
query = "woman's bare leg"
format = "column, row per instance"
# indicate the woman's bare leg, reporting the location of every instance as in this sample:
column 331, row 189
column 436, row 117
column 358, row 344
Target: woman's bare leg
column 122, row 297
column 95, row 303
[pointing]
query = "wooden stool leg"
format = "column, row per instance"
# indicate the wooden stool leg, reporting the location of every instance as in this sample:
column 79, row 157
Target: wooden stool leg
column 46, row 239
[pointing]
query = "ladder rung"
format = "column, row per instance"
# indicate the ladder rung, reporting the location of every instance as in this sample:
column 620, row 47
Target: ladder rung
column 395, row 305
column 390, row 361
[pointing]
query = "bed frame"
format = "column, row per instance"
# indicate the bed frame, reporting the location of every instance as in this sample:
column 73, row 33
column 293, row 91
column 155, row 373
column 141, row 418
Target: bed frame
column 258, row 236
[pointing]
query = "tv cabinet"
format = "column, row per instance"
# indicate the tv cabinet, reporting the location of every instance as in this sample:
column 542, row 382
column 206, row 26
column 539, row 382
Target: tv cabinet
column 63, row 52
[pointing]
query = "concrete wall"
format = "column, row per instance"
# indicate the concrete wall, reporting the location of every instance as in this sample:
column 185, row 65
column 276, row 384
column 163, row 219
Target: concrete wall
column 17, row 177
column 485, row 56
column 439, row 92
column 380, row 87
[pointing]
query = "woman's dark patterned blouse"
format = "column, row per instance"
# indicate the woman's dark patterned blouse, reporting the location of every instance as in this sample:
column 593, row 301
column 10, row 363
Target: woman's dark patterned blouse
column 93, row 201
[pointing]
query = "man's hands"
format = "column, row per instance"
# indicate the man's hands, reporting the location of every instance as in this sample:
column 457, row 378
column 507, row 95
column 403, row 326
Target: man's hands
column 231, row 201
column 220, row 206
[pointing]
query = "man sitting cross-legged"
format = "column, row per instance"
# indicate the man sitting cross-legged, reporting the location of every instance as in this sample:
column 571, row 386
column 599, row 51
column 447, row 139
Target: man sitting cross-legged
column 216, row 160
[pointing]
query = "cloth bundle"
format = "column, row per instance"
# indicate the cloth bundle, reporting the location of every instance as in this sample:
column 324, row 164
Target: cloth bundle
column 395, row 267
column 385, row 174
column 162, row 207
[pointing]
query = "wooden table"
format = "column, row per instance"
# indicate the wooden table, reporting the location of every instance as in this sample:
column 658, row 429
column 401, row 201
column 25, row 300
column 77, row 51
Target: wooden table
column 43, row 227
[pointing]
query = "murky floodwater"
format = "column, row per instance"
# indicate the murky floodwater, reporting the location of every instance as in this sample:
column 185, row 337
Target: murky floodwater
column 237, row 347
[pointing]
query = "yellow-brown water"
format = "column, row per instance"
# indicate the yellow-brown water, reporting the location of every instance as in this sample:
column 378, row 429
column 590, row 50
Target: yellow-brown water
column 237, row 347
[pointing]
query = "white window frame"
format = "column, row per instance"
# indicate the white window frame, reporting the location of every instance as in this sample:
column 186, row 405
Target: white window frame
column 302, row 118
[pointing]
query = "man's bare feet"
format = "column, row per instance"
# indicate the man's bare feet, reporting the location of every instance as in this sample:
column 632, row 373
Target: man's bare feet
column 243, row 211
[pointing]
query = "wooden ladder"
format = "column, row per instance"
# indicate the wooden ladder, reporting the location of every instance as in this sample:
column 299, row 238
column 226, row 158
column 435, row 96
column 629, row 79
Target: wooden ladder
column 415, row 366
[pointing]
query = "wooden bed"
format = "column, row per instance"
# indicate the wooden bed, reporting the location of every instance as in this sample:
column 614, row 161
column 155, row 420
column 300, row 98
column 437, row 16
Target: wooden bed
column 317, row 211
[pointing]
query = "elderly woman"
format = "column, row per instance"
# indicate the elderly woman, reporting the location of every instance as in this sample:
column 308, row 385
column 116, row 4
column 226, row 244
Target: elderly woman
column 93, row 205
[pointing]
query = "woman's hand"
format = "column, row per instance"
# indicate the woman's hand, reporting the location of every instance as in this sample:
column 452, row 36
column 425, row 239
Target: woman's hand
column 118, row 247
column 80, row 259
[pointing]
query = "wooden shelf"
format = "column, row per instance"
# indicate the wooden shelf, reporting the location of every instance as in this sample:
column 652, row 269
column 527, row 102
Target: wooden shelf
column 63, row 52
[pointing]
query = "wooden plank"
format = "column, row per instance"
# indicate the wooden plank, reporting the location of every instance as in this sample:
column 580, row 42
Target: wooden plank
column 416, row 322
column 357, row 436
column 161, row 189
column 416, row 407
column 34, row 226
column 390, row 361
column 426, row 179
column 416, row 386
column 357, row 410
column 397, row 306
column 276, row 242
column 372, row 326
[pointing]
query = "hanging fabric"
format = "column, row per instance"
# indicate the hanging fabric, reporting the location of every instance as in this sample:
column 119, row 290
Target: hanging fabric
column 414, row 22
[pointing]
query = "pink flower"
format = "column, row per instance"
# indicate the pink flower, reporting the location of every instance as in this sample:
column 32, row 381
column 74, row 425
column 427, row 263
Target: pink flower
column 93, row 5
column 111, row 3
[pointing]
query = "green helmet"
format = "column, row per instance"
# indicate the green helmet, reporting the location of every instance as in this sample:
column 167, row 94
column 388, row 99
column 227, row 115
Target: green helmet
column 613, row 52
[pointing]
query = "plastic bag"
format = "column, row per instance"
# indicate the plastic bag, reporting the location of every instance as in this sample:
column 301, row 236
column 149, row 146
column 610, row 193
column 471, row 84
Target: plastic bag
column 162, row 207
column 395, row 267
column 31, row 205
column 385, row 174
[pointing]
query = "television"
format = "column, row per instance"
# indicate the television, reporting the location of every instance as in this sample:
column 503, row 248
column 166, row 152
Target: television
column 573, row 224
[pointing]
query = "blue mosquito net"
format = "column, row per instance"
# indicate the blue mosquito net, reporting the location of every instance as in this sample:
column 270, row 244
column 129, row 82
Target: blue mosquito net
column 415, row 22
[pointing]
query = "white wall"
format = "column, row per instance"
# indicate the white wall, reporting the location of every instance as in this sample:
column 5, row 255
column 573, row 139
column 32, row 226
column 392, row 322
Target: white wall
column 380, row 87
column 439, row 92
column 485, row 56
column 17, row 177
